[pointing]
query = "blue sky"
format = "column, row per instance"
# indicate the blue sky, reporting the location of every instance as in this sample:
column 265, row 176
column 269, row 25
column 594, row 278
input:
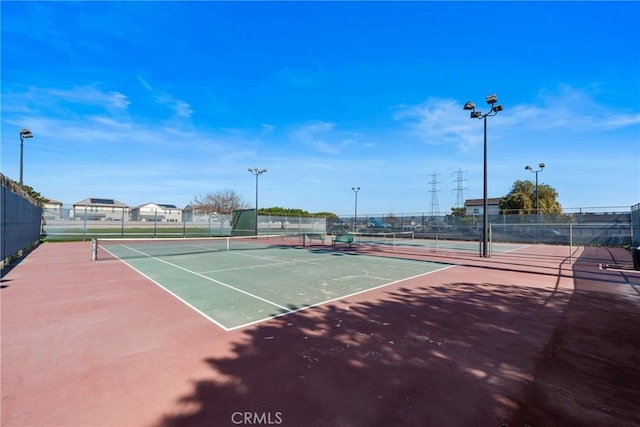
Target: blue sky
column 164, row 101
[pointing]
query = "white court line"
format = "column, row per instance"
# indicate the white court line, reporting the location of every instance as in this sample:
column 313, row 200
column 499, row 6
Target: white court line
column 210, row 279
column 287, row 310
column 276, row 263
column 339, row 298
column 512, row 250
column 170, row 292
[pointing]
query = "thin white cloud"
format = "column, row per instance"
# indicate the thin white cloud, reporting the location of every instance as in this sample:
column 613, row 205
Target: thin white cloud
column 90, row 95
column 180, row 108
column 439, row 121
column 145, row 84
column 323, row 137
column 442, row 121
column 60, row 101
column 267, row 128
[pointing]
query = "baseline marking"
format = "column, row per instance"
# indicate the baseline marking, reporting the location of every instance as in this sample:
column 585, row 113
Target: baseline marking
column 212, row 280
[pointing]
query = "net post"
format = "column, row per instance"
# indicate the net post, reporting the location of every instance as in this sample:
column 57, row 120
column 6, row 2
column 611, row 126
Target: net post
column 94, row 249
column 304, row 239
column 228, row 243
column 436, row 242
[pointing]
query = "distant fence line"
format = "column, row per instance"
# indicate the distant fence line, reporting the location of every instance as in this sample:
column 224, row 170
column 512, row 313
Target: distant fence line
column 444, row 220
column 65, row 224
column 604, row 225
column 603, row 228
column 20, row 222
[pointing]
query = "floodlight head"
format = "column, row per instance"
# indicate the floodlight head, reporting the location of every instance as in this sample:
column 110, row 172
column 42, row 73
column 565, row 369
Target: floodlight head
column 476, row 114
column 263, row 171
column 355, row 188
column 26, row 133
column 497, row 108
column 527, row 168
column 541, row 165
column 469, row 106
column 491, row 99
column 250, row 170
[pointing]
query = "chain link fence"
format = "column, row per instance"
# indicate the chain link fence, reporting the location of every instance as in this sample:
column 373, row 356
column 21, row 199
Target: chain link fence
column 83, row 223
column 587, row 226
column 583, row 227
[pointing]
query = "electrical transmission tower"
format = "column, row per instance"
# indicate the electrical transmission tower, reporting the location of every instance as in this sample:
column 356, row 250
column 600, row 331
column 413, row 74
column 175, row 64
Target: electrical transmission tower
column 434, row 209
column 459, row 181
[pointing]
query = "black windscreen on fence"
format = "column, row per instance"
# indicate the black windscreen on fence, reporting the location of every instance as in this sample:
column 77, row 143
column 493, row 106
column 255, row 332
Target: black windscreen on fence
column 20, row 221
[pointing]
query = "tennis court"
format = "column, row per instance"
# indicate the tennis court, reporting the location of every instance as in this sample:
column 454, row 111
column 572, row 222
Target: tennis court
column 236, row 282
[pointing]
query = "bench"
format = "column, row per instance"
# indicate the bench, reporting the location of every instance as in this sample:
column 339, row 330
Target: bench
column 311, row 236
column 343, row 238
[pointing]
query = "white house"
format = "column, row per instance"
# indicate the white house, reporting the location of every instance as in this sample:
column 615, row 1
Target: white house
column 475, row 207
column 100, row 210
column 156, row 212
column 52, row 210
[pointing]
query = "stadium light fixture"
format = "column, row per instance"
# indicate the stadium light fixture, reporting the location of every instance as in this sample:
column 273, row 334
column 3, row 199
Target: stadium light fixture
column 355, row 215
column 469, row 106
column 491, row 100
column 24, row 133
column 257, row 172
column 529, row 168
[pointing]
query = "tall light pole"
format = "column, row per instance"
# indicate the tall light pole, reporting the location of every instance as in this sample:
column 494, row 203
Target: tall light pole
column 257, row 172
column 541, row 166
column 24, row 133
column 355, row 215
column 491, row 100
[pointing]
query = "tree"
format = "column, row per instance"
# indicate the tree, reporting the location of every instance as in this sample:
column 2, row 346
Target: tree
column 221, row 202
column 27, row 191
column 280, row 211
column 459, row 212
column 522, row 199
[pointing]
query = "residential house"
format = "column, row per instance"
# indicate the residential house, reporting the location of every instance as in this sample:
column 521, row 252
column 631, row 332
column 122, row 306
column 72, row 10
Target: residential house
column 156, row 212
column 100, row 210
column 475, row 207
column 52, row 210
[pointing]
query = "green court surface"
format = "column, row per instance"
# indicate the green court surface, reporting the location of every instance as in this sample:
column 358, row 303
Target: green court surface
column 236, row 288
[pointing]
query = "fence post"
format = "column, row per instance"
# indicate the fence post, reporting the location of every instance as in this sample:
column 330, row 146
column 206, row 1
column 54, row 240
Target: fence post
column 490, row 243
column 84, row 226
column 570, row 243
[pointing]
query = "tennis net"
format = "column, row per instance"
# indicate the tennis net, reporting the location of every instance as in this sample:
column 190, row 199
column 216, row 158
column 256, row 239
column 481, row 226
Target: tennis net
column 128, row 248
column 391, row 238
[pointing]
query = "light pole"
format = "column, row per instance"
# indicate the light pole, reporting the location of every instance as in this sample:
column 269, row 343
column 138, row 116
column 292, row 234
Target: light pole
column 257, row 172
column 355, row 215
column 541, row 166
column 24, row 133
column 491, row 100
